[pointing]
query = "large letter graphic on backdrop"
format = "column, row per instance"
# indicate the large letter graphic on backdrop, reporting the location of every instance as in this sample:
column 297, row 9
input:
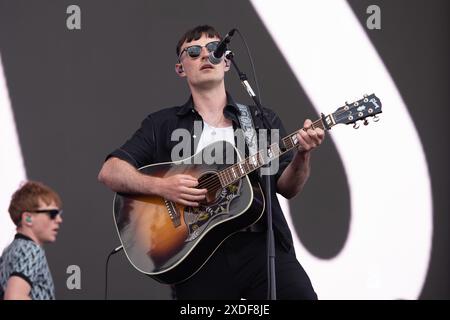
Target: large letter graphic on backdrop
column 12, row 170
column 388, row 248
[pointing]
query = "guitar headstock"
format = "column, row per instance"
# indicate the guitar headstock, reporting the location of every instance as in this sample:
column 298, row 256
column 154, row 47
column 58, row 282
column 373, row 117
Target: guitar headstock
column 369, row 106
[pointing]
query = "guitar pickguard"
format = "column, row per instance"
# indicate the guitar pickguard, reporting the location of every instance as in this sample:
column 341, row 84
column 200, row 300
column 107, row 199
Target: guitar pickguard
column 197, row 219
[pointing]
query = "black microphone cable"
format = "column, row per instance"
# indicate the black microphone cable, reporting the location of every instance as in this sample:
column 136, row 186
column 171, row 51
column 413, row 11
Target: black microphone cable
column 255, row 78
column 119, row 248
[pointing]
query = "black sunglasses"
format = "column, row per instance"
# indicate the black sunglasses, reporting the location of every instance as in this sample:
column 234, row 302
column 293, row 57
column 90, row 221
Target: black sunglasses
column 194, row 51
column 52, row 213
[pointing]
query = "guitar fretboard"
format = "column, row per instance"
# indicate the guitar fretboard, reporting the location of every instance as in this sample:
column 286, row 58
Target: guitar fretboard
column 238, row 170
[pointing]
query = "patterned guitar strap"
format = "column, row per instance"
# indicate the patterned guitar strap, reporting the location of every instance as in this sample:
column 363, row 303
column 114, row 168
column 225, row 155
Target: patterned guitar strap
column 246, row 121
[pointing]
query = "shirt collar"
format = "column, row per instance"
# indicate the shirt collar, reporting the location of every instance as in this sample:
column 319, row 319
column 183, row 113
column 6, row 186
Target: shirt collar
column 189, row 106
column 22, row 236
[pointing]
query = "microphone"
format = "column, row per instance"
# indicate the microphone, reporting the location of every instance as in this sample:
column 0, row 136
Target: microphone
column 216, row 56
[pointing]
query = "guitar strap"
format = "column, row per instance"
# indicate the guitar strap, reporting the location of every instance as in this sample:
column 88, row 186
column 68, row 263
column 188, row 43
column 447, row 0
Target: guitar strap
column 246, row 121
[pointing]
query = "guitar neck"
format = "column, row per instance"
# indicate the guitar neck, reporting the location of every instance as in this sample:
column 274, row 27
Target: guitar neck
column 238, row 170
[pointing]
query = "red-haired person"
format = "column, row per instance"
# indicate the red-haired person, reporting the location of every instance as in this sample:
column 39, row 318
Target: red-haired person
column 24, row 272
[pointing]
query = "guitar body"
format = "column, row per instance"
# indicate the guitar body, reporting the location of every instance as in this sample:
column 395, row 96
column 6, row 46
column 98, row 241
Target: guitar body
column 171, row 242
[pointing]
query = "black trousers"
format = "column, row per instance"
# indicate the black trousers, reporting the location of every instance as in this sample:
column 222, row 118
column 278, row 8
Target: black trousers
column 238, row 269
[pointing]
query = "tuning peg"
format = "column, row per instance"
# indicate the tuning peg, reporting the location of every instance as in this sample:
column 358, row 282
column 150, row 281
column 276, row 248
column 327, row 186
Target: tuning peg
column 347, row 106
column 355, row 125
column 376, row 118
column 365, row 95
column 366, row 122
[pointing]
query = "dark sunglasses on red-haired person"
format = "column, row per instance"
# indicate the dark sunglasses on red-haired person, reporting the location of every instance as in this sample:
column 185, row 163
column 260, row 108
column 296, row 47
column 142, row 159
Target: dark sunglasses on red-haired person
column 52, row 213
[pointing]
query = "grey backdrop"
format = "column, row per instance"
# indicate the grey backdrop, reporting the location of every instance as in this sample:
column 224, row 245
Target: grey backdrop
column 77, row 95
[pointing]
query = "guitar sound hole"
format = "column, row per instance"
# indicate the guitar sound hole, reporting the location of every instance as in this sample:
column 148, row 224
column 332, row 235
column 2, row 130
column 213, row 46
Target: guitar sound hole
column 211, row 182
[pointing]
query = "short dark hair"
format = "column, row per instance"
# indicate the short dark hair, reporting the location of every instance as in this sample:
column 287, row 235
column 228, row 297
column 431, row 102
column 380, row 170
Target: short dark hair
column 196, row 33
column 27, row 198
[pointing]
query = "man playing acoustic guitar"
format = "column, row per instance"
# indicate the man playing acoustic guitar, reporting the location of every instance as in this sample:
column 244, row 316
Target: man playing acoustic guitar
column 238, row 268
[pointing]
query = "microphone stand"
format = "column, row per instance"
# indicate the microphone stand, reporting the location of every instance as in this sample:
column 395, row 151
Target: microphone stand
column 272, row 294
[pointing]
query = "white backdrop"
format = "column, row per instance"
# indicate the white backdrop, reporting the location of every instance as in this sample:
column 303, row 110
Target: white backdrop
column 387, row 252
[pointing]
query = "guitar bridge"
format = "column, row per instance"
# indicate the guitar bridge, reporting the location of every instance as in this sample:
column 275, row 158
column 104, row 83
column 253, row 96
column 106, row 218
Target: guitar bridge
column 173, row 213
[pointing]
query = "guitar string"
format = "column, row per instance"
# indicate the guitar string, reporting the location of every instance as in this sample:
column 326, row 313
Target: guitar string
column 208, row 181
column 215, row 180
column 212, row 181
column 225, row 175
column 246, row 162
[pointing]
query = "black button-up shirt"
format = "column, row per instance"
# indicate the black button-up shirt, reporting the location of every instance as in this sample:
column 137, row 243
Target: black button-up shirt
column 152, row 143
